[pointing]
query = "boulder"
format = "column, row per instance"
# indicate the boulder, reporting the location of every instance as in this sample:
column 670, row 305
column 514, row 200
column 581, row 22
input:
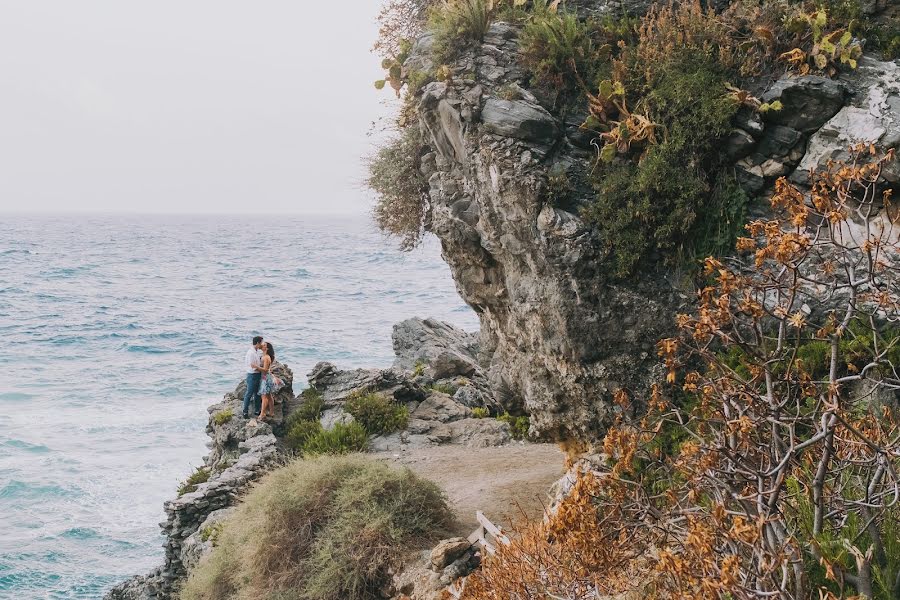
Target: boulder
column 808, row 101
column 445, row 350
column 448, row 551
column 872, row 117
column 519, row 119
column 778, row 141
column 441, row 408
column 337, row 385
column 739, row 144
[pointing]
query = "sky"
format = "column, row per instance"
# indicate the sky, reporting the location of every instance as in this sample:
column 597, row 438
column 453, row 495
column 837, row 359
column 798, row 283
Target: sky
column 187, row 106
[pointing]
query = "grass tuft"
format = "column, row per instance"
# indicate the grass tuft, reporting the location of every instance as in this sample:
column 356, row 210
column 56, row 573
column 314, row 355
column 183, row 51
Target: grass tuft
column 223, row 416
column 328, row 528
column 200, row 475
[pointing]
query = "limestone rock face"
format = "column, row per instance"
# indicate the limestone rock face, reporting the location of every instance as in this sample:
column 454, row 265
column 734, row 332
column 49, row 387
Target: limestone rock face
column 808, row 101
column 445, row 350
column 435, row 417
column 558, row 335
column 871, row 117
column 558, row 338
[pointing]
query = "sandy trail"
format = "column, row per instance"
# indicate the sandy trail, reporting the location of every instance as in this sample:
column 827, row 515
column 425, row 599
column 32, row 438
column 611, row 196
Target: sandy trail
column 496, row 481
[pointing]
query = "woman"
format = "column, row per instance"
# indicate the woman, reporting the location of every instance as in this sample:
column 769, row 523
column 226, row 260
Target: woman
column 269, row 384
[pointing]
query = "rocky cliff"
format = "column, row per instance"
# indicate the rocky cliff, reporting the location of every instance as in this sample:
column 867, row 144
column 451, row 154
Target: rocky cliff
column 559, row 335
column 436, row 377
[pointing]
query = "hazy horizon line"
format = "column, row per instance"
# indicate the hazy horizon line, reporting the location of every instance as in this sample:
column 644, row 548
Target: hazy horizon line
column 89, row 212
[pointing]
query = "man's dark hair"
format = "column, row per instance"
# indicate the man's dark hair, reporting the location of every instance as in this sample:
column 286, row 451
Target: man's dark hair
column 257, row 340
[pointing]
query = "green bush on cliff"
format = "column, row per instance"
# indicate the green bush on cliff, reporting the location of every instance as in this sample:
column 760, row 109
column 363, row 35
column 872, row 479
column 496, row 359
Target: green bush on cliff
column 310, row 409
column 300, row 432
column 200, row 475
column 402, row 204
column 342, row 438
column 328, row 528
column 223, row 416
column 455, row 23
column 674, row 199
column 558, row 49
column 377, row 414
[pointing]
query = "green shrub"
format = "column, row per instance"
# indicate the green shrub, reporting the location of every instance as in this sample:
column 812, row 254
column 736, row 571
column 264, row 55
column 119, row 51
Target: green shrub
column 419, row 369
column 558, row 50
column 329, row 528
column 443, row 388
column 815, row 357
column 223, row 416
column 200, row 475
column 456, row 23
column 343, row 438
column 309, row 410
column 377, row 414
column 480, row 412
column 394, row 175
column 518, row 426
column 300, row 432
column 668, row 201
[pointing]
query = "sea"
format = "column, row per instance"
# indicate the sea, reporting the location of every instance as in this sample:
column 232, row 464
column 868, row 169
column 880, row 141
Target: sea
column 116, row 333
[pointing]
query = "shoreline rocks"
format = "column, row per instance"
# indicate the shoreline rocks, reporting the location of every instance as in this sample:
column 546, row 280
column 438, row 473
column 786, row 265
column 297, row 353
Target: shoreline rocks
column 242, row 451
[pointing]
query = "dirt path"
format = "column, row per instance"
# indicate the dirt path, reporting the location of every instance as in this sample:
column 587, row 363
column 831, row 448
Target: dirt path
column 493, row 480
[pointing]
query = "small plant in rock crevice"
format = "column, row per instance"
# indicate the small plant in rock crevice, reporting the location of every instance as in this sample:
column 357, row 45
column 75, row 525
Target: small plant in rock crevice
column 200, row 475
column 443, row 388
column 480, row 412
column 455, row 23
column 223, row 416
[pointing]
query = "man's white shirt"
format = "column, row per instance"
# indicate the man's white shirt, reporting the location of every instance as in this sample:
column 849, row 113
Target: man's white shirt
column 253, row 359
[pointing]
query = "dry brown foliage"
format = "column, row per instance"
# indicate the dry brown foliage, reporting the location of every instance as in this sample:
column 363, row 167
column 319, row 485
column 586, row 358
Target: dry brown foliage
column 774, row 472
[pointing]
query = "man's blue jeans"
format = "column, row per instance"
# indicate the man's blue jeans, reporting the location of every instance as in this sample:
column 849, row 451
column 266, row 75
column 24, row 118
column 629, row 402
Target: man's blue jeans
column 252, row 393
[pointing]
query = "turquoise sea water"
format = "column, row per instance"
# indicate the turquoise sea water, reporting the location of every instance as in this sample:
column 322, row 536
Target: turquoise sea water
column 117, row 332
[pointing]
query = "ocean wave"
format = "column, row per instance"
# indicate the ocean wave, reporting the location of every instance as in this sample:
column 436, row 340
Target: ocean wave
column 16, row 396
column 80, row 533
column 144, row 349
column 28, row 447
column 127, row 354
column 20, row 490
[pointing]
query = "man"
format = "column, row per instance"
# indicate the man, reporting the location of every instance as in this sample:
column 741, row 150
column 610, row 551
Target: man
column 253, row 360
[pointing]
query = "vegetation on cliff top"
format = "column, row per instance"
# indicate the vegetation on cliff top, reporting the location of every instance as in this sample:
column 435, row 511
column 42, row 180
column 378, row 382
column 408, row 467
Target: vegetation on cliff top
column 328, row 528
column 780, row 474
column 662, row 92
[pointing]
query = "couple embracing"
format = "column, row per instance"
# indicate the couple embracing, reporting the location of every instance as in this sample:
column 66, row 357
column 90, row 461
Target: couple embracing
column 261, row 383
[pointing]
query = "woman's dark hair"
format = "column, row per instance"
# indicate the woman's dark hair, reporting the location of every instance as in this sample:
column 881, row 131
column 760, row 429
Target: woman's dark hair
column 257, row 340
column 270, row 351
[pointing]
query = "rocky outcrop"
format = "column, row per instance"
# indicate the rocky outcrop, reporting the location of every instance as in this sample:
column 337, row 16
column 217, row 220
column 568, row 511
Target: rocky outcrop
column 435, row 417
column 559, row 336
column 872, row 117
column 425, row 575
column 242, row 450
